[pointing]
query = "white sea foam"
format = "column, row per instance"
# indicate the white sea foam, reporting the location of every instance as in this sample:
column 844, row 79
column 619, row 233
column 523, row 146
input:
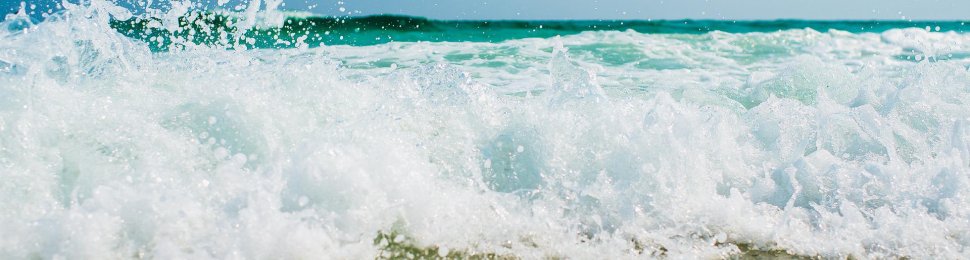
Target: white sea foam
column 597, row 145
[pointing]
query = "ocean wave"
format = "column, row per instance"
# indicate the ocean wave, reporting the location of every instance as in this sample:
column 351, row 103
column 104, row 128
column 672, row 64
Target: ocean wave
column 594, row 144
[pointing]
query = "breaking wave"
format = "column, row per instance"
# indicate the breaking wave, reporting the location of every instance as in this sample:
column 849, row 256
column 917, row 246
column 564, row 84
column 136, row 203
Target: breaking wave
column 594, row 144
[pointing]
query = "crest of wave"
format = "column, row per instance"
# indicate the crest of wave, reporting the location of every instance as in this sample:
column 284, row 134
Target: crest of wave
column 112, row 151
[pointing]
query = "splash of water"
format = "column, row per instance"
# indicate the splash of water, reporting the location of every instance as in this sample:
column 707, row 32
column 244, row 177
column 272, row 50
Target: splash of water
column 600, row 144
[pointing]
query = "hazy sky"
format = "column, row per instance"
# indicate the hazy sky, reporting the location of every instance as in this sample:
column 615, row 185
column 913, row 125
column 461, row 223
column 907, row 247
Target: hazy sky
column 625, row 9
column 654, row 9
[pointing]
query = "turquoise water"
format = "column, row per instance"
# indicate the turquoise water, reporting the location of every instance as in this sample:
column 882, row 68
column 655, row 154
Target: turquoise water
column 372, row 30
column 165, row 135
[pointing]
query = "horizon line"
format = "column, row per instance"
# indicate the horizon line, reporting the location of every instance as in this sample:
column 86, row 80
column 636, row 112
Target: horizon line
column 316, row 15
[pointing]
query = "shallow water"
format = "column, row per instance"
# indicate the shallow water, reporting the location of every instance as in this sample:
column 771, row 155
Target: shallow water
column 599, row 144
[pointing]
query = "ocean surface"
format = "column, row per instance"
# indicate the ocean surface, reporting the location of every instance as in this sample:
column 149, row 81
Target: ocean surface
column 268, row 135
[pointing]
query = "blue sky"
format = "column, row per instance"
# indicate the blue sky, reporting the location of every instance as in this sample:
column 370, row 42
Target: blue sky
column 625, row 9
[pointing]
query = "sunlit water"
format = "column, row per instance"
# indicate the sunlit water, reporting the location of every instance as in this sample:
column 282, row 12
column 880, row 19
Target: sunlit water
column 601, row 144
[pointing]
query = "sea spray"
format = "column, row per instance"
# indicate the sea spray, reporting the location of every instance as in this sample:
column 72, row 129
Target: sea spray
column 815, row 143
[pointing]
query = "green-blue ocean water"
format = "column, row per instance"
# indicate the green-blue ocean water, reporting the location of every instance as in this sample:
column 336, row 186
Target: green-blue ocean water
column 208, row 28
